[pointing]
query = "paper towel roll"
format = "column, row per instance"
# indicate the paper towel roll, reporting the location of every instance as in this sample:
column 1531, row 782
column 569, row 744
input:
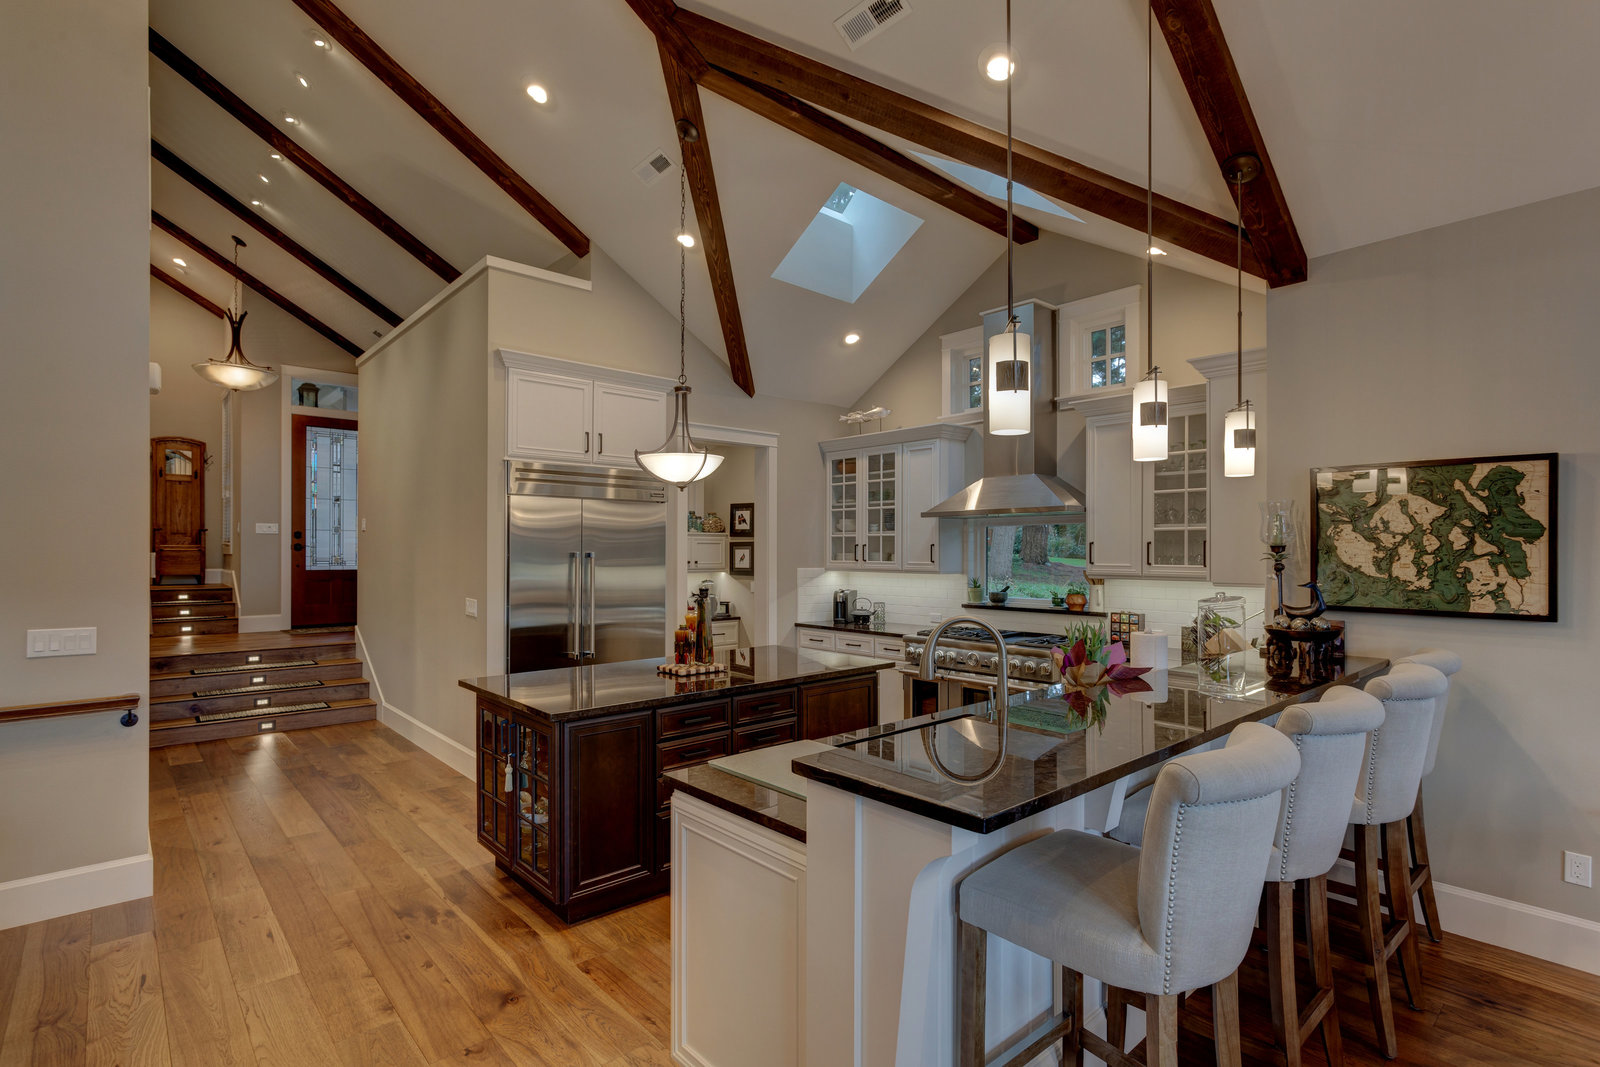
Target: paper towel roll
column 1157, row 681
column 1149, row 649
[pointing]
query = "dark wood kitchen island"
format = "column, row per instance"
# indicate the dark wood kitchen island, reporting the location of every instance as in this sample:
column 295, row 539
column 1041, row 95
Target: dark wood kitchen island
column 571, row 798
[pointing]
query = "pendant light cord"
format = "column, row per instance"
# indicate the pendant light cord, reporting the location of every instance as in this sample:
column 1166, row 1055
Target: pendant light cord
column 683, row 268
column 1238, row 279
column 1149, row 192
column 238, row 300
column 1011, row 313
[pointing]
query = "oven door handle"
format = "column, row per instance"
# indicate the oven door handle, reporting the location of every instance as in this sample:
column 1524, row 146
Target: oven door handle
column 987, row 680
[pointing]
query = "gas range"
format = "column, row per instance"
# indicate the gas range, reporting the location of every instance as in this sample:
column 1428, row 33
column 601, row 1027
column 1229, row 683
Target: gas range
column 971, row 651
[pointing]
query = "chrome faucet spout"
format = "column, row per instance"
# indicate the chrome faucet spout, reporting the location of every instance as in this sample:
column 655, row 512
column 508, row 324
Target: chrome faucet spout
column 1001, row 702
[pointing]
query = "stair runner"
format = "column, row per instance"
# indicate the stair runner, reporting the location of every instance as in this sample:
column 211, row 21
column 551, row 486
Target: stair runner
column 256, row 713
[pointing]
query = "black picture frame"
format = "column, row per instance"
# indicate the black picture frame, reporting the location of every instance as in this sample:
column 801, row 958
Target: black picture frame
column 745, row 514
column 1330, row 580
column 747, row 549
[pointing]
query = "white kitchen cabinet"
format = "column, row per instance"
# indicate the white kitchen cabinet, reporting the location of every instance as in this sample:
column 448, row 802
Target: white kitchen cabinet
column 725, row 634
column 1236, row 550
column 855, row 644
column 819, row 639
column 891, row 683
column 1147, row 519
column 878, row 486
column 707, row 552
column 558, row 410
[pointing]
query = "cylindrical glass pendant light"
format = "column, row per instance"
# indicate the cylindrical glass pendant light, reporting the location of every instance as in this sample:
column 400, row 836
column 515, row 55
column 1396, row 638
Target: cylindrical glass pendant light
column 1239, row 427
column 1011, row 350
column 1150, row 395
column 234, row 371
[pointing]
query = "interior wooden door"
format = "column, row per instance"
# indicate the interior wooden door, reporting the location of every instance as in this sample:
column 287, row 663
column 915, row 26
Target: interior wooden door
column 178, row 507
column 325, row 516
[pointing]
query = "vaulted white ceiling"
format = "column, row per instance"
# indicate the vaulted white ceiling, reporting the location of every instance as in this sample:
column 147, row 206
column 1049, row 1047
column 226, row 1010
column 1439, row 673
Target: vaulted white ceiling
column 1380, row 119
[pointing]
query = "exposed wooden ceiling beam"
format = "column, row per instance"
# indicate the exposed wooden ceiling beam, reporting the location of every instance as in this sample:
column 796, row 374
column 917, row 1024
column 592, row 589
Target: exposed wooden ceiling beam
column 170, row 159
column 178, row 287
column 384, row 67
column 657, row 16
column 221, row 262
column 1195, row 38
column 257, row 124
column 847, row 141
column 738, row 53
column 684, row 96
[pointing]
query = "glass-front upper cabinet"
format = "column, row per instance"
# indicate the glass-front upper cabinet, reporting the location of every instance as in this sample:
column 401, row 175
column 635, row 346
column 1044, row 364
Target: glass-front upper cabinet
column 1177, row 525
column 864, row 508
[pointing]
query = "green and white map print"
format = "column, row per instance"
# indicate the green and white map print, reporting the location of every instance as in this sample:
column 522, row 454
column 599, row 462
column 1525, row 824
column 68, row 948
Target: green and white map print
column 1471, row 537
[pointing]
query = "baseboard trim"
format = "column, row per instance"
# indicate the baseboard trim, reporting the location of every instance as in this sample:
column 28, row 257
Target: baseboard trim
column 46, row 896
column 1538, row 932
column 456, row 756
column 260, row 624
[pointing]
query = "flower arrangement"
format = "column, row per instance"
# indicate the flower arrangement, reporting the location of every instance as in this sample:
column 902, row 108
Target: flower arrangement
column 1091, row 670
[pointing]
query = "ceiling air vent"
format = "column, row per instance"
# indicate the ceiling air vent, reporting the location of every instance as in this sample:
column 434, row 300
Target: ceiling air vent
column 654, row 166
column 865, row 21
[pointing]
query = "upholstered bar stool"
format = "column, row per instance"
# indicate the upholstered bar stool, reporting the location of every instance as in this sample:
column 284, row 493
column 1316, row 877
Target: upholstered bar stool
column 1160, row 920
column 1446, row 663
column 1385, row 795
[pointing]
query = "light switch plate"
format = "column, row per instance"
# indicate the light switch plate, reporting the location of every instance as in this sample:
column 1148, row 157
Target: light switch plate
column 74, row 642
column 472, row 608
column 266, row 527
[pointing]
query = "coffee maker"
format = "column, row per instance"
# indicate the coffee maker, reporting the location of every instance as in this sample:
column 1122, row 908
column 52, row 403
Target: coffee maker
column 843, row 599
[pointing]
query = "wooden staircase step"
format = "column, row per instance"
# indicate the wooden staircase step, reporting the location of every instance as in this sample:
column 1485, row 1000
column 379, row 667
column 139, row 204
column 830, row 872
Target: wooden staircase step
column 161, row 594
column 165, row 709
column 170, row 655
column 187, row 731
column 196, row 625
column 200, row 681
column 194, row 609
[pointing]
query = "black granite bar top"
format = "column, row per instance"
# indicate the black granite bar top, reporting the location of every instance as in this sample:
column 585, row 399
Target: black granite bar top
column 767, row 807
column 567, row 693
column 850, row 628
column 1053, row 753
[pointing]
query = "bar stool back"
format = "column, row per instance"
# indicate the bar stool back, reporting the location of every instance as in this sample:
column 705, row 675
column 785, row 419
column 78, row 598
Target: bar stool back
column 1446, row 663
column 1160, row 920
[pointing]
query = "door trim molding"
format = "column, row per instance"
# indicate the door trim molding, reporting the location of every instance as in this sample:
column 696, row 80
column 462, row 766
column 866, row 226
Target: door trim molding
column 287, row 410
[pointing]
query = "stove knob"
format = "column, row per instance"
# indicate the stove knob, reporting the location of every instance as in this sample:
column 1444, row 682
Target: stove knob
column 972, row 659
column 941, row 657
column 1030, row 668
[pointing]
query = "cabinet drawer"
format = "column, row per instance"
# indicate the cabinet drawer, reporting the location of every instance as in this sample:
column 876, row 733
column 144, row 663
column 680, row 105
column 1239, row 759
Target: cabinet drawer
column 725, row 634
column 815, row 639
column 693, row 719
column 888, row 647
column 692, row 750
column 860, row 646
column 764, row 705
column 763, row 734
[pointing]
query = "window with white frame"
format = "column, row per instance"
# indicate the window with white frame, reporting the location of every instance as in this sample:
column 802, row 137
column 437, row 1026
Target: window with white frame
column 962, row 355
column 1104, row 342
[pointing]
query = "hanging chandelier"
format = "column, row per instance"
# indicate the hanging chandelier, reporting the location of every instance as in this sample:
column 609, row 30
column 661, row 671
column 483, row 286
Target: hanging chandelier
column 679, row 460
column 1150, row 395
column 1011, row 350
column 1239, row 426
column 234, row 371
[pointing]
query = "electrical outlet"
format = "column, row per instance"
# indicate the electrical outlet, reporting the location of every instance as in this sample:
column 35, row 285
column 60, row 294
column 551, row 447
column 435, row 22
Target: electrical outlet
column 266, row 527
column 1577, row 869
column 76, row 642
column 472, row 608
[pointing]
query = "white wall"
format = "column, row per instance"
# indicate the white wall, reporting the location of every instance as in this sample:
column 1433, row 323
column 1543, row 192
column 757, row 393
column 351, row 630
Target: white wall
column 74, row 429
column 181, row 333
column 1473, row 339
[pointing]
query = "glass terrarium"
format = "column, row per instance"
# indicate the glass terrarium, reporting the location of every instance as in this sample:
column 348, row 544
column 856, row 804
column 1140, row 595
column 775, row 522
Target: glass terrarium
column 1219, row 641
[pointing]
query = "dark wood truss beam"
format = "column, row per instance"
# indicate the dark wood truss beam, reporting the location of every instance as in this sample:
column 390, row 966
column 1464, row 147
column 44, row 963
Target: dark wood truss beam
column 183, row 290
column 684, row 96
column 218, row 260
column 1195, row 38
column 259, row 125
column 740, row 55
column 353, row 39
column 169, row 159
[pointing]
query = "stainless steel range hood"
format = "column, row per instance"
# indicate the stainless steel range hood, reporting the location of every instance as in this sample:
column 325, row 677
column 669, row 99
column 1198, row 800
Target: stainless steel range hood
column 1019, row 473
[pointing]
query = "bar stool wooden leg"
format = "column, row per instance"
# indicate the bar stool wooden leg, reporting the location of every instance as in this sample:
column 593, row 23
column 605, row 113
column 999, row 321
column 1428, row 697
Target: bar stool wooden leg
column 1225, row 1017
column 1116, row 1018
column 1322, row 966
column 1369, row 911
column 1279, row 928
column 1161, row 1031
column 1397, row 877
column 973, row 949
column 1422, row 871
column 1072, row 1002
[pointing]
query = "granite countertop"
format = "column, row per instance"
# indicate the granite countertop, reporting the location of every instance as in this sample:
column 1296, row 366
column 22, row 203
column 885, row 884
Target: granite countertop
column 1052, row 754
column 566, row 693
column 849, row 628
column 753, row 785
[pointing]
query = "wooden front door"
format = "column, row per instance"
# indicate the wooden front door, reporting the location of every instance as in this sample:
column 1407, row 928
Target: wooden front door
column 326, row 521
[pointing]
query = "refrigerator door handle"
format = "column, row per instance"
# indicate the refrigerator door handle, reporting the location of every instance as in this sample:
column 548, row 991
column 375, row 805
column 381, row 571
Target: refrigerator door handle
column 572, row 605
column 588, row 581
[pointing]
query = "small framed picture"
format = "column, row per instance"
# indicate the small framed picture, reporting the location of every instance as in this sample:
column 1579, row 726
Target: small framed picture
column 742, row 520
column 742, row 558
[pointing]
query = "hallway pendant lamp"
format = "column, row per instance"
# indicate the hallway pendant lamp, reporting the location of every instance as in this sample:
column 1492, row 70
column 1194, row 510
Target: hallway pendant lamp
column 234, row 371
column 1011, row 350
column 1150, row 395
column 679, row 460
column 1239, row 427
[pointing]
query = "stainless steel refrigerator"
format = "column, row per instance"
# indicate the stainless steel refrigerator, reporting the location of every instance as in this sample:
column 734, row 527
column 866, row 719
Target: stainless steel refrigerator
column 586, row 566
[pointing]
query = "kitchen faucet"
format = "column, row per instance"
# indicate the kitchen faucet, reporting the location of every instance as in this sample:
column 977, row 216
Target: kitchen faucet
column 1001, row 702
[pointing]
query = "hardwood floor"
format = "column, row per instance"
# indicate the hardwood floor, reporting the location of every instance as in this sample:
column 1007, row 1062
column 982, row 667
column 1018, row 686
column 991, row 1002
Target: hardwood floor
column 320, row 899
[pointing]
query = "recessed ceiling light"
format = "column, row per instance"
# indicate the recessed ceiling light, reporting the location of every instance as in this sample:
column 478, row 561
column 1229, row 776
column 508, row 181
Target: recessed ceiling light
column 998, row 68
column 179, row 262
column 537, row 91
column 273, row 155
column 1156, row 250
column 264, row 179
column 686, row 240
column 290, row 119
column 319, row 39
column 851, row 338
column 301, row 78
column 255, row 203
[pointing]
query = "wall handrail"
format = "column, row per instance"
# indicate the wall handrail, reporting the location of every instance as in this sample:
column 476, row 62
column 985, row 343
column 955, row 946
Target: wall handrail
column 57, row 708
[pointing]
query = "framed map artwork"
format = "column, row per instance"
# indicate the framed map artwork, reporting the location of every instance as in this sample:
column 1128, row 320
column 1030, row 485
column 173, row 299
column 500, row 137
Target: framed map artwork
column 1471, row 537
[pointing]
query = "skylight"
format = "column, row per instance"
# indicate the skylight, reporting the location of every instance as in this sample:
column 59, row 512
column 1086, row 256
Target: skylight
column 994, row 185
column 846, row 246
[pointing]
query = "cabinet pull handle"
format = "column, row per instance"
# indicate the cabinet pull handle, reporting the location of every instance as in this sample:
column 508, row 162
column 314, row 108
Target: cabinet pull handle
column 696, row 720
column 1147, row 562
column 586, row 440
column 1091, row 553
column 1204, row 546
column 930, row 555
column 856, row 553
column 697, row 753
column 768, row 706
column 602, row 442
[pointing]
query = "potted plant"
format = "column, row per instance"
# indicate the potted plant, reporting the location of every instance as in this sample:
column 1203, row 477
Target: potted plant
column 974, row 591
column 1077, row 596
column 1058, row 600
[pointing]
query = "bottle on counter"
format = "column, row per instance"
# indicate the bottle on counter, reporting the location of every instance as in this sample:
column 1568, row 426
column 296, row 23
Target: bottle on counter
column 703, row 651
column 683, row 644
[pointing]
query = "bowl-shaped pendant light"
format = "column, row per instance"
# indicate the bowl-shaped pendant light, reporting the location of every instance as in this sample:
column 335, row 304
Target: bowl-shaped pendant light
column 1239, row 426
column 234, row 371
column 1011, row 350
column 1150, row 395
column 680, row 460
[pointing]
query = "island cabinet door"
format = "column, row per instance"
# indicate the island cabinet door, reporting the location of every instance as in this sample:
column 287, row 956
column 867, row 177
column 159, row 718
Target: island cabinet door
column 830, row 708
column 533, row 812
column 608, row 810
column 495, row 780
